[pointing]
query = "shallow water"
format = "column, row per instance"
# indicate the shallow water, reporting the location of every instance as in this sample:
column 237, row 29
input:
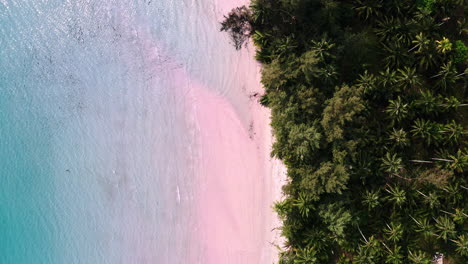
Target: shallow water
column 96, row 153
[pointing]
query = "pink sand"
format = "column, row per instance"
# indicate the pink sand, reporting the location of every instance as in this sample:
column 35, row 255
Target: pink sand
column 238, row 181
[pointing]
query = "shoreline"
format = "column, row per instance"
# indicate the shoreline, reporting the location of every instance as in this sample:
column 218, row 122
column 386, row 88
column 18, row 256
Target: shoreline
column 237, row 180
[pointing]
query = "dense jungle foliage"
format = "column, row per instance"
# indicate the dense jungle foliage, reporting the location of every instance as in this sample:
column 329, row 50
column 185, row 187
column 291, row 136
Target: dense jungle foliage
column 368, row 101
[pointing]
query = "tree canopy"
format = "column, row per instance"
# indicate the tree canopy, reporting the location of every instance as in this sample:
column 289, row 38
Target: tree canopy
column 368, row 101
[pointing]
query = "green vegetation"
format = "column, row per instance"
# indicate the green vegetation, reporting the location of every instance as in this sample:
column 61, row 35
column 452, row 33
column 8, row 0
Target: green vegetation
column 368, row 99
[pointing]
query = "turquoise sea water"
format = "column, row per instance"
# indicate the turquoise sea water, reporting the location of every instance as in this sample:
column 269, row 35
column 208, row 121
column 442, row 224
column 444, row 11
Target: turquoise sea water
column 95, row 152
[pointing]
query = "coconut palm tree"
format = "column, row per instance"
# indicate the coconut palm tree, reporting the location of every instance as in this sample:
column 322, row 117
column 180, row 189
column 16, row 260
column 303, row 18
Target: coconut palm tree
column 313, row 237
column 447, row 75
column 370, row 252
column 397, row 110
column 427, row 130
column 445, row 227
column 408, row 78
column 258, row 12
column 303, row 204
column 400, row 137
column 421, row 43
column 368, row 8
column 428, row 103
column 396, row 195
column 457, row 162
column 444, row 45
column 388, row 27
column 367, row 82
column 260, row 39
column 460, row 161
column 323, row 49
column 421, row 128
column 424, row 227
column 388, row 77
column 452, row 102
column 397, row 7
column 461, row 244
column 282, row 208
column 431, row 199
column 453, row 193
column 394, row 255
column 306, row 256
column 285, row 46
column 392, row 163
column 459, row 216
column 394, row 232
column 371, row 199
column 328, row 74
column 396, row 53
column 419, row 257
column 453, row 131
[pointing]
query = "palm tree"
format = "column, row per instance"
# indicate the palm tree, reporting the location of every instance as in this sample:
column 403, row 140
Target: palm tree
column 421, row 43
column 430, row 199
column 306, row 256
column 454, row 131
column 460, row 161
column 399, row 137
column 397, row 7
column 408, row 77
column 322, row 49
column 444, row 45
column 388, row 27
column 369, row 252
column 303, row 204
column 371, row 199
column 394, row 232
column 392, row 163
column 328, row 74
column 428, row 102
column 396, row 53
column 448, row 76
column 387, row 77
column 425, row 20
column 459, row 216
column 396, row 195
column 454, row 195
column 397, row 110
column 394, row 255
column 314, row 238
column 424, row 227
column 457, row 162
column 419, row 257
column 427, row 59
column 427, row 130
column 258, row 12
column 421, row 128
column 452, row 102
column 367, row 82
column 461, row 245
column 369, row 8
column 445, row 227
column 285, row 46
column 260, row 39
column 282, row 208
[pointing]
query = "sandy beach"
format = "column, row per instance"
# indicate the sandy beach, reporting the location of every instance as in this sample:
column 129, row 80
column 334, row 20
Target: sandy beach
column 238, row 180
